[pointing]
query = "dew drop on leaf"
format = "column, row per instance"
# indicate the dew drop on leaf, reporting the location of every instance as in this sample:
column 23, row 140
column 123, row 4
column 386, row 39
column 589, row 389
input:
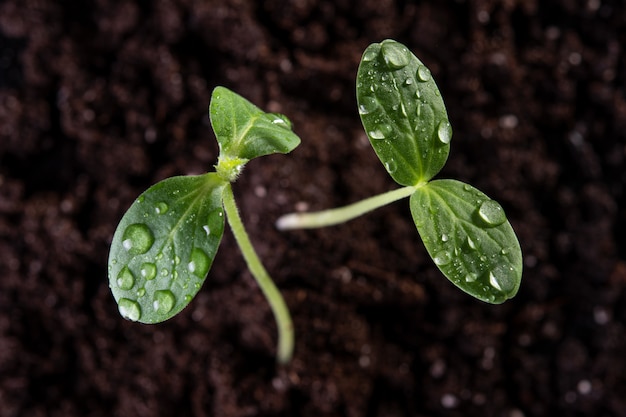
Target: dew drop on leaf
column 403, row 110
column 148, row 270
column 491, row 213
column 125, row 279
column 442, row 258
column 137, row 239
column 368, row 104
column 471, row 277
column 129, row 309
column 470, row 243
column 503, row 278
column 207, row 229
column 391, row 166
column 444, row 132
column 141, row 292
column 395, row 55
column 377, row 134
column 199, row 263
column 423, row 73
column 164, row 301
column 161, row 208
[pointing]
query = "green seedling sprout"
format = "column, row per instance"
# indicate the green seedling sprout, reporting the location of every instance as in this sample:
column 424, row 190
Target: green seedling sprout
column 165, row 244
column 465, row 232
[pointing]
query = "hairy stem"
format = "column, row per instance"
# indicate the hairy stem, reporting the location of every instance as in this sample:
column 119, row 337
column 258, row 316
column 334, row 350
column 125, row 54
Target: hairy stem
column 342, row 214
column 274, row 298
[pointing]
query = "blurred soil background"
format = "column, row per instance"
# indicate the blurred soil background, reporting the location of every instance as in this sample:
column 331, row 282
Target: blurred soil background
column 99, row 99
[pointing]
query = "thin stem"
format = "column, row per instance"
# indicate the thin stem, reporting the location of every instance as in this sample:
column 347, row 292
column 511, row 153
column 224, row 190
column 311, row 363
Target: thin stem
column 341, row 214
column 274, row 298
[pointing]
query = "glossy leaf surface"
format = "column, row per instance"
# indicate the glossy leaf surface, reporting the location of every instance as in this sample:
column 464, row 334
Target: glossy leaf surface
column 469, row 238
column 403, row 113
column 164, row 246
column 244, row 131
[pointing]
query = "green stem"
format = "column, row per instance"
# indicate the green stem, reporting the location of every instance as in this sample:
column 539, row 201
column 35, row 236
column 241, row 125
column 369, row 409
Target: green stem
column 342, row 214
column 274, row 298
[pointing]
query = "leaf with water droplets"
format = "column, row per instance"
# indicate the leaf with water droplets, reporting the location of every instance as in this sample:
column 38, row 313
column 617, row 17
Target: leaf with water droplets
column 402, row 112
column 166, row 240
column 244, row 131
column 469, row 238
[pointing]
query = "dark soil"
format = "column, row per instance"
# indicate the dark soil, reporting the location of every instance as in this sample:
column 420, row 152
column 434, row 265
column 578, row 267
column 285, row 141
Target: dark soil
column 100, row 99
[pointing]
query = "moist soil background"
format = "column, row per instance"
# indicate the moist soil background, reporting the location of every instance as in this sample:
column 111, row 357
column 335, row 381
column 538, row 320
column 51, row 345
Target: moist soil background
column 101, row 99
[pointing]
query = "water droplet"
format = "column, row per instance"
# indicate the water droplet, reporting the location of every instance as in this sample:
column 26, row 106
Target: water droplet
column 368, row 104
column 125, row 279
column 418, row 93
column 403, row 110
column 467, row 187
column 471, row 277
column 470, row 243
column 408, row 81
column 137, row 239
column 141, row 198
column 423, row 73
column 199, row 263
column 491, row 213
column 141, row 292
column 444, row 237
column 161, row 208
column 207, row 229
column 114, row 262
column 391, row 166
column 164, row 301
column 164, row 272
column 369, row 55
column 148, row 270
column 188, row 298
column 129, row 309
column 504, row 251
column 442, row 258
column 395, row 55
column 503, row 278
column 376, row 134
column 444, row 132
column 387, row 129
column 176, row 260
column 418, row 111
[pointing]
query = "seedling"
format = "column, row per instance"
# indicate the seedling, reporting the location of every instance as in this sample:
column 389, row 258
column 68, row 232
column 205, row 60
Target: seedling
column 165, row 244
column 465, row 232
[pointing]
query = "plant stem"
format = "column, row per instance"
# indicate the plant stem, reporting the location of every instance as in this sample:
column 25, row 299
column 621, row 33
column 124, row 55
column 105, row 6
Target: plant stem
column 274, row 298
column 341, row 214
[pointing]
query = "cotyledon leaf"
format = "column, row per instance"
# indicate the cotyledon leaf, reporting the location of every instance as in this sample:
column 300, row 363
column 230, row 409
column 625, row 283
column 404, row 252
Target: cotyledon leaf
column 469, row 238
column 164, row 246
column 244, row 131
column 402, row 112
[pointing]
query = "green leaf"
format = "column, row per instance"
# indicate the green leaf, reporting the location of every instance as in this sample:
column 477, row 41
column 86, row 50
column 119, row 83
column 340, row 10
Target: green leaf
column 403, row 113
column 469, row 238
column 164, row 246
column 244, row 131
